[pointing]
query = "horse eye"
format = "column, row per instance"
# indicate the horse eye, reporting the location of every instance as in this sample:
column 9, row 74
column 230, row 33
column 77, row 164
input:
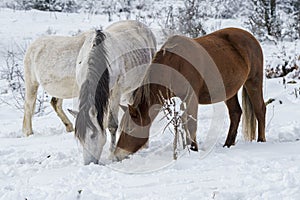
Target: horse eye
column 79, row 62
column 134, row 114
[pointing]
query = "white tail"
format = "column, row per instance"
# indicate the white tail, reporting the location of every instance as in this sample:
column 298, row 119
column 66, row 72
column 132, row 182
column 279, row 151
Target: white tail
column 249, row 119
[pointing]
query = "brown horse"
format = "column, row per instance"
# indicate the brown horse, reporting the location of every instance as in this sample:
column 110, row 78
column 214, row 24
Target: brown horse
column 204, row 70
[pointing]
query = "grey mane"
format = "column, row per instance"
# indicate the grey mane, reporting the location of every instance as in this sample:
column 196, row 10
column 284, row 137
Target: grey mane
column 95, row 89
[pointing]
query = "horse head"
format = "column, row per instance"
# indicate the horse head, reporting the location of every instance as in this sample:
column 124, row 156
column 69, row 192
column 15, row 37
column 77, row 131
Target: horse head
column 93, row 97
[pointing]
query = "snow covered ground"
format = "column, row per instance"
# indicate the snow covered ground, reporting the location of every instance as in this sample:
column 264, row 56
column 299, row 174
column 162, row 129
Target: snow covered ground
column 48, row 165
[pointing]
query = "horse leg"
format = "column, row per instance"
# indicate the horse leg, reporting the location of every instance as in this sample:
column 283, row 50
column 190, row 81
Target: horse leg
column 235, row 113
column 112, row 127
column 254, row 90
column 57, row 106
column 189, row 118
column 190, row 125
column 29, row 106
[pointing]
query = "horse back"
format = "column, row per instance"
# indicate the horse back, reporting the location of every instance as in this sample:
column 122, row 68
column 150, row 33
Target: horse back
column 236, row 47
column 226, row 58
column 237, row 54
column 51, row 62
column 131, row 46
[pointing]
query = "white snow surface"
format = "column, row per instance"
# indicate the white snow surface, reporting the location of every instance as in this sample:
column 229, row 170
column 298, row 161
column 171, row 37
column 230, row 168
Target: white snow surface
column 48, row 165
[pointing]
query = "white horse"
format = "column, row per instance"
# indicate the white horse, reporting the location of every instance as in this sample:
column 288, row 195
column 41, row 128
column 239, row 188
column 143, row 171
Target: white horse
column 110, row 65
column 50, row 61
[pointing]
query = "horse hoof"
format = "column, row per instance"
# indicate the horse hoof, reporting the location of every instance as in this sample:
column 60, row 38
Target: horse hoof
column 69, row 128
column 261, row 140
column 194, row 147
column 228, row 144
column 28, row 134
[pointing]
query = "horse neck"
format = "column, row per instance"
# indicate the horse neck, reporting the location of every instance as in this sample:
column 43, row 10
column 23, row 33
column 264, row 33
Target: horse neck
column 148, row 102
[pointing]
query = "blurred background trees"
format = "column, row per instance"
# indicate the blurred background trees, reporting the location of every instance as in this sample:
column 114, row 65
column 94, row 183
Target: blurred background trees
column 267, row 19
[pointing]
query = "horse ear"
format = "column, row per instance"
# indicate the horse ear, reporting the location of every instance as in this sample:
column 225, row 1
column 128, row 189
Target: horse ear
column 132, row 111
column 123, row 107
column 74, row 113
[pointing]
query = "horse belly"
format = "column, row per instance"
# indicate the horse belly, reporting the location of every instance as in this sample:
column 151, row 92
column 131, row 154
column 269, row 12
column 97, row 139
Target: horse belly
column 57, row 83
column 231, row 87
column 61, row 88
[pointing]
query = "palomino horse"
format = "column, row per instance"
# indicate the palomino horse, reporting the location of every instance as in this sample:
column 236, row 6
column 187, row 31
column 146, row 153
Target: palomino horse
column 204, row 70
column 100, row 67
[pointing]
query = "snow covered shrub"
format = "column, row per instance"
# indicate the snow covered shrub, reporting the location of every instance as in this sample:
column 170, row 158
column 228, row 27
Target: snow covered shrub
column 264, row 21
column 295, row 66
column 47, row 5
column 227, row 9
column 291, row 9
column 190, row 19
column 174, row 110
column 17, row 5
column 70, row 6
column 282, row 67
column 275, row 20
column 166, row 20
column 187, row 19
column 44, row 5
column 282, row 64
column 13, row 74
column 56, row 5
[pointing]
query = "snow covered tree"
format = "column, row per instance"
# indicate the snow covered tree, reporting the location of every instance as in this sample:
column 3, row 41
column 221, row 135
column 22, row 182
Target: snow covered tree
column 190, row 17
column 297, row 17
column 265, row 20
column 292, row 9
column 226, row 9
column 47, row 5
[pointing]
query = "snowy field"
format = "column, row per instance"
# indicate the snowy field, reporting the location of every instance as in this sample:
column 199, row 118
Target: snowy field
column 48, row 165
